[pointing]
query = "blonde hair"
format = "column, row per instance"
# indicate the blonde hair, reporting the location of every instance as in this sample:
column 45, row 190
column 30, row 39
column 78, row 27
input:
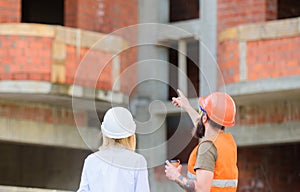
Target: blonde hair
column 128, row 142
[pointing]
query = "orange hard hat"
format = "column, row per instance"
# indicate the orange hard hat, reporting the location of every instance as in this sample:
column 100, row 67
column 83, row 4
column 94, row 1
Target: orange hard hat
column 219, row 107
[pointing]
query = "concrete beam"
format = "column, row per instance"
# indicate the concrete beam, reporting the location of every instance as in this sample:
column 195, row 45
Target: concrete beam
column 70, row 36
column 265, row 85
column 27, row 29
column 266, row 89
column 42, row 91
column 168, row 108
column 288, row 132
column 26, row 131
column 186, row 30
column 259, row 31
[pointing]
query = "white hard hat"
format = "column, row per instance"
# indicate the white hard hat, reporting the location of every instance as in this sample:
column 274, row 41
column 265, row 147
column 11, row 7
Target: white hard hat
column 118, row 123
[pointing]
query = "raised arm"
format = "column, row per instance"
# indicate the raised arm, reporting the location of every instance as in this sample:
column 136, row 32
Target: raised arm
column 182, row 102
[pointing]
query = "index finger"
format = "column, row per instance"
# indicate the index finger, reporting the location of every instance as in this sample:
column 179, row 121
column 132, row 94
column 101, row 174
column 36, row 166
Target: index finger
column 180, row 93
column 168, row 162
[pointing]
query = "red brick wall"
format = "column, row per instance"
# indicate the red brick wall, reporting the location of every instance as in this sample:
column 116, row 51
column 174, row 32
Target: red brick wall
column 71, row 7
column 235, row 12
column 10, row 11
column 129, row 79
column 88, row 14
column 273, row 58
column 43, row 114
column 228, row 60
column 95, row 15
column 272, row 10
column 270, row 58
column 278, row 112
column 118, row 14
column 30, row 58
column 25, row 57
column 231, row 13
column 92, row 68
column 107, row 16
column 269, row 168
column 83, row 14
column 103, row 16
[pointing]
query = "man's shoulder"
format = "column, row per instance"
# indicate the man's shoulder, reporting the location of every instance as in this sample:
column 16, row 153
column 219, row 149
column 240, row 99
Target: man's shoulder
column 207, row 146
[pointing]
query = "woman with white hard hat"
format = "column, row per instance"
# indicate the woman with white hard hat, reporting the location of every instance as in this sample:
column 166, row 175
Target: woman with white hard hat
column 116, row 167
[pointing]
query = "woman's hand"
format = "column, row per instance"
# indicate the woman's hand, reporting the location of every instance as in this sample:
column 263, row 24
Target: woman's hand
column 172, row 172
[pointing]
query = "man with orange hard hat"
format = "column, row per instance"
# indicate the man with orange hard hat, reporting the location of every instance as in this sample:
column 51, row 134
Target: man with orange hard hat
column 212, row 164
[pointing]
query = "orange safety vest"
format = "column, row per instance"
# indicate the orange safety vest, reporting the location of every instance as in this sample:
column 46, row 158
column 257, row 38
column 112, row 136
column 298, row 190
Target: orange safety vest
column 226, row 171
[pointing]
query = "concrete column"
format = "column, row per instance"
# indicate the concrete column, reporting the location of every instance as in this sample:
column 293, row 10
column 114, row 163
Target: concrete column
column 149, row 51
column 209, row 70
column 153, row 78
column 182, row 81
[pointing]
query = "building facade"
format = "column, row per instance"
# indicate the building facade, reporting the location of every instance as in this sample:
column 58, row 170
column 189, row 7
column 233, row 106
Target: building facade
column 63, row 63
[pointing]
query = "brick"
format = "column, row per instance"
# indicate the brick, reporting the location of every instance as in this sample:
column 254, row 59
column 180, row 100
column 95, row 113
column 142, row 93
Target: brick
column 46, row 114
column 10, row 11
column 20, row 76
column 36, row 77
column 275, row 52
column 228, row 60
column 269, row 113
column 35, row 64
column 231, row 13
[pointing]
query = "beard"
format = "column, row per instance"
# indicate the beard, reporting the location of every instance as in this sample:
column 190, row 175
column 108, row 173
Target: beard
column 199, row 131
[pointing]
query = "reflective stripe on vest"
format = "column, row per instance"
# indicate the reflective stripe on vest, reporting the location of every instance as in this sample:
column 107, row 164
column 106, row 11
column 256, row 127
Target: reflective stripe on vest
column 224, row 183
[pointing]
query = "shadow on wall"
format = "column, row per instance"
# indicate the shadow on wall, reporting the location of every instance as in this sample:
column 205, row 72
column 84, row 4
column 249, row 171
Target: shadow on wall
column 269, row 168
column 40, row 166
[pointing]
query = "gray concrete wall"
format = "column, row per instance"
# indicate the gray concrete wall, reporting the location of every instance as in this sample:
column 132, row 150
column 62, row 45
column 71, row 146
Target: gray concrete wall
column 152, row 77
column 47, row 124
